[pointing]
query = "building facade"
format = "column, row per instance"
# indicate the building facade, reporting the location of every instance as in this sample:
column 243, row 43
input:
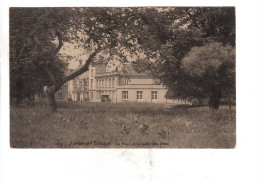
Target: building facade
column 62, row 93
column 124, row 86
column 78, row 88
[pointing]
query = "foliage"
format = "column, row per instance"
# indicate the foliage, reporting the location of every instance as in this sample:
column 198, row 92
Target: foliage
column 209, row 68
column 191, row 27
column 32, row 48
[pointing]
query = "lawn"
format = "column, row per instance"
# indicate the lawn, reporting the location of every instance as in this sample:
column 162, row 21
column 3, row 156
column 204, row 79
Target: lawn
column 122, row 125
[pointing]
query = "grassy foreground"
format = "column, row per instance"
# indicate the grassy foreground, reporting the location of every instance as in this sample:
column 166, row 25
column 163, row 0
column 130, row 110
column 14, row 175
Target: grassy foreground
column 124, row 125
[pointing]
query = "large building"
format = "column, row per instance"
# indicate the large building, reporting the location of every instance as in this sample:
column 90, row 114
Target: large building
column 120, row 85
column 124, row 86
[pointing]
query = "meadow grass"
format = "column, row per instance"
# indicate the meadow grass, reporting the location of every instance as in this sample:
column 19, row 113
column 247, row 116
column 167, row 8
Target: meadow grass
column 121, row 125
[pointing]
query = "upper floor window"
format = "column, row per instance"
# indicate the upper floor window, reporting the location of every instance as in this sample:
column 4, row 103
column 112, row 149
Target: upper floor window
column 113, row 82
column 126, row 81
column 105, row 83
column 139, row 95
column 91, row 72
column 91, row 83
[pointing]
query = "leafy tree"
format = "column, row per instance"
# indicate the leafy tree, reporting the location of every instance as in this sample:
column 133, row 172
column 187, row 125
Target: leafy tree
column 216, row 23
column 210, row 71
column 31, row 51
column 184, row 29
column 37, row 35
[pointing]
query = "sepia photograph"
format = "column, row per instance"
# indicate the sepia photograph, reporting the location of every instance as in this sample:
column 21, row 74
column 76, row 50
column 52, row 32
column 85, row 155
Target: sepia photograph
column 122, row 77
column 129, row 91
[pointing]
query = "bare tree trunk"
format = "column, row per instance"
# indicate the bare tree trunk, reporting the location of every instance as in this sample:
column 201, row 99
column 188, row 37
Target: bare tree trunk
column 49, row 92
column 51, row 102
column 214, row 99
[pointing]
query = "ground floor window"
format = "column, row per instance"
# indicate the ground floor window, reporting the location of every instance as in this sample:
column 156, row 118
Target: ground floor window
column 91, row 95
column 125, row 95
column 59, row 94
column 154, row 95
column 113, row 93
column 98, row 93
column 139, row 95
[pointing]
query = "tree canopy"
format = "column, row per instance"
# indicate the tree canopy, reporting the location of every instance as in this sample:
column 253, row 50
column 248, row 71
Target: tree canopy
column 210, row 72
column 32, row 50
column 190, row 29
column 157, row 39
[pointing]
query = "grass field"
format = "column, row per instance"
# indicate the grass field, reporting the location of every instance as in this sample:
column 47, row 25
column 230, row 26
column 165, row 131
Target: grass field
column 124, row 125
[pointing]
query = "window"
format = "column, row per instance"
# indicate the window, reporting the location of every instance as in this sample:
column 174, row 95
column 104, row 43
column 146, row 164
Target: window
column 113, row 82
column 113, row 93
column 109, row 83
column 125, row 95
column 139, row 95
column 91, row 72
column 154, row 95
column 59, row 94
column 91, row 83
column 126, row 81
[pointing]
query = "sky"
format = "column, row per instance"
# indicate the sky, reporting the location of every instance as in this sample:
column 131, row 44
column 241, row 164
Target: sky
column 77, row 54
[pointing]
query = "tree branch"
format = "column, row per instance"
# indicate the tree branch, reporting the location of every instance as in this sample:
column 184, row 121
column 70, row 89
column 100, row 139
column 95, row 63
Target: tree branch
column 78, row 72
column 192, row 18
column 60, row 41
